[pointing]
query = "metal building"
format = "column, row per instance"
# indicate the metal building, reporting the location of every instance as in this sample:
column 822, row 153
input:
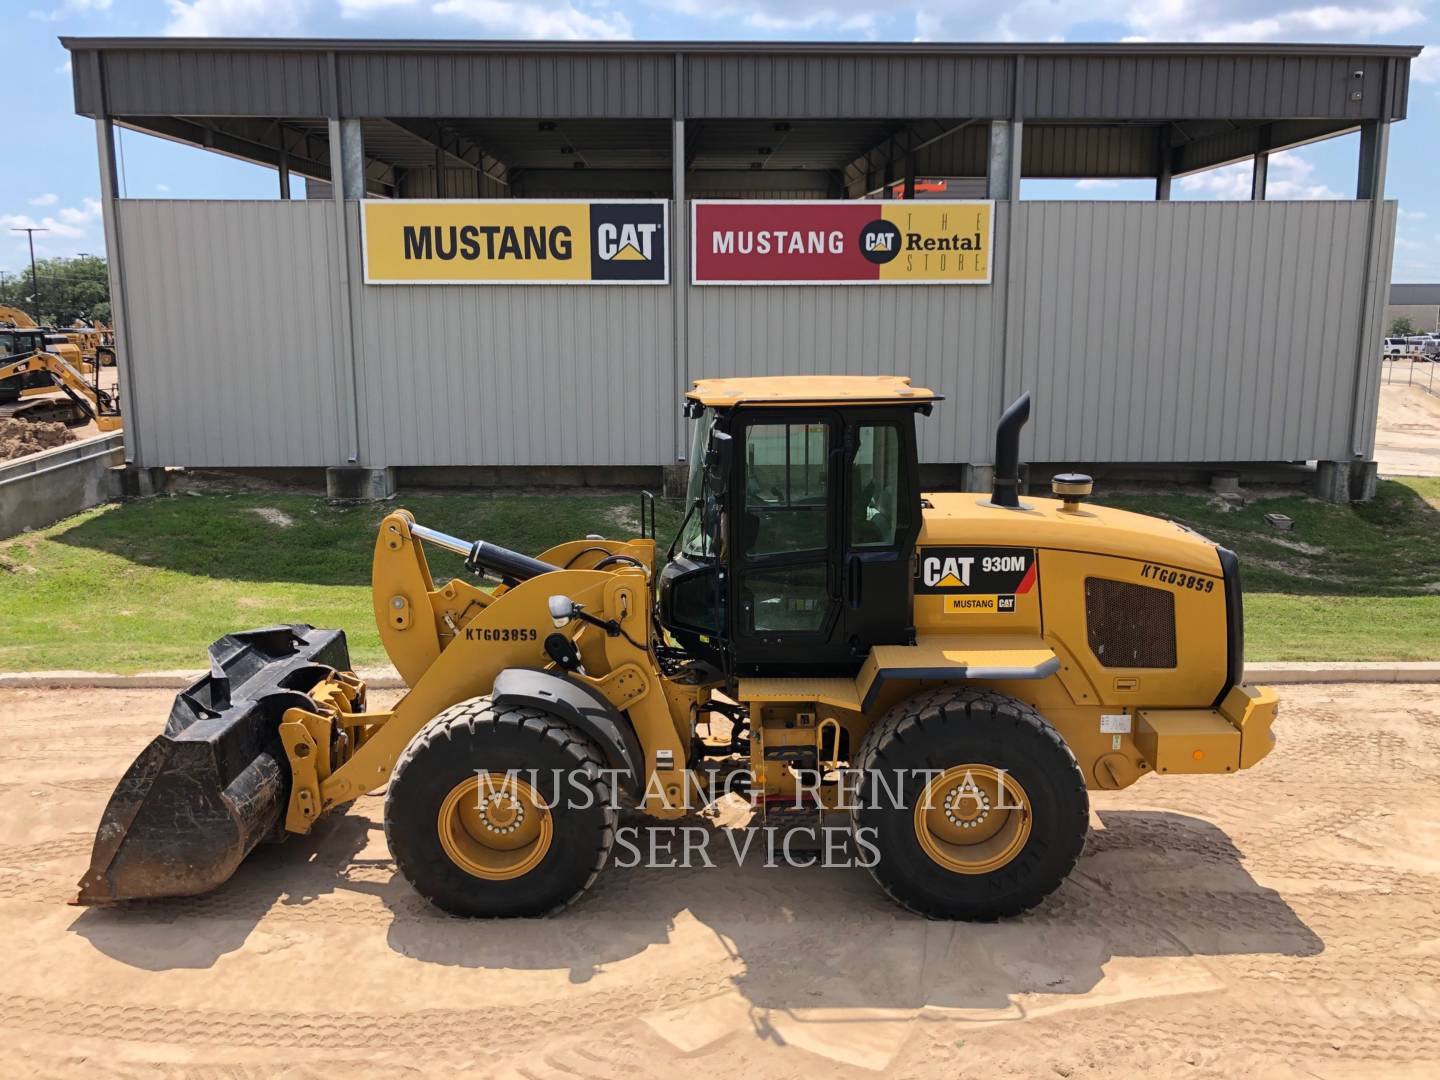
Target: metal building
column 1420, row 303
column 1156, row 331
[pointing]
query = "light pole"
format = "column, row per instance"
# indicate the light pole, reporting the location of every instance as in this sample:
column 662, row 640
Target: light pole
column 30, row 232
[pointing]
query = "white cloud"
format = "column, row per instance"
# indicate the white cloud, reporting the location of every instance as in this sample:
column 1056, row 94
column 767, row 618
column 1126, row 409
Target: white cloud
column 162, row 188
column 1426, row 67
column 1290, row 177
column 1413, row 215
column 63, row 69
column 48, row 199
column 1094, row 184
column 218, row 18
column 68, row 231
column 537, row 20
column 353, row 8
column 1163, row 20
column 777, row 17
column 71, row 7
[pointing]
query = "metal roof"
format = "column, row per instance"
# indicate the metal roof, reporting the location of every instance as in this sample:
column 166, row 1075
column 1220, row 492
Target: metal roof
column 978, row 48
column 844, row 112
column 735, row 80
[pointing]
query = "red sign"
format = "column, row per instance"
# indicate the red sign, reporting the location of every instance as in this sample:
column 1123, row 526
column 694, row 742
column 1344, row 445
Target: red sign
column 862, row 242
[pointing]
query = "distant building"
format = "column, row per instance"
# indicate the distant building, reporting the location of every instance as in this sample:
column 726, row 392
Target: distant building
column 1419, row 303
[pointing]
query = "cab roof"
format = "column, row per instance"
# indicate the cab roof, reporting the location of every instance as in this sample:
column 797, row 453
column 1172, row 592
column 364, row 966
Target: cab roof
column 810, row 390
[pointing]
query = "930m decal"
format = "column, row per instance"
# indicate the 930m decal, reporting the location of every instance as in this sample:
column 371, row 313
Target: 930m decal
column 976, row 580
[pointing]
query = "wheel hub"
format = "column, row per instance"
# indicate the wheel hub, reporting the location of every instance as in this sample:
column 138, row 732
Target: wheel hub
column 494, row 826
column 973, row 819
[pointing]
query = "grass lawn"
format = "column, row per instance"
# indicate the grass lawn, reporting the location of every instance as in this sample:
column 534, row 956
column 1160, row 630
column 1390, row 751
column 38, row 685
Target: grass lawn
column 149, row 584
column 1347, row 583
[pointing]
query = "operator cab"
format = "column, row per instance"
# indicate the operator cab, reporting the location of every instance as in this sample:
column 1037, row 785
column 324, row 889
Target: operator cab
column 16, row 343
column 802, row 511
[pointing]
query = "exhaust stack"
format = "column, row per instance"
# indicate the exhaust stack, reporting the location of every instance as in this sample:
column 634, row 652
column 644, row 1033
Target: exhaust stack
column 1006, row 489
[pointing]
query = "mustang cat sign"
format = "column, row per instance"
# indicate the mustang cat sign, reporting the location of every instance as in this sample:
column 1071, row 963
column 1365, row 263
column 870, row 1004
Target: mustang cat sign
column 864, row 242
column 515, row 241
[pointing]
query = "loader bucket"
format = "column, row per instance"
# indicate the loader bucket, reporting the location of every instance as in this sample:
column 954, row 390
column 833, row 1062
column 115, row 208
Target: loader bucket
column 201, row 796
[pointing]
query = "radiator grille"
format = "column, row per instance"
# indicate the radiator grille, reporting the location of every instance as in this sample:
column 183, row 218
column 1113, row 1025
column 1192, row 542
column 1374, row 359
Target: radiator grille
column 1130, row 625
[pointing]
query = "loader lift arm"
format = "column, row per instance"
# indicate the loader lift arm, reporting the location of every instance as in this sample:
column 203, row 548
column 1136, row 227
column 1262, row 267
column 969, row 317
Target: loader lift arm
column 95, row 403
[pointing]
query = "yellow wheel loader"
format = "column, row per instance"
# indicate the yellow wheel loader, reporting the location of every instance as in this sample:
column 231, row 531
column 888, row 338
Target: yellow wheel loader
column 953, row 671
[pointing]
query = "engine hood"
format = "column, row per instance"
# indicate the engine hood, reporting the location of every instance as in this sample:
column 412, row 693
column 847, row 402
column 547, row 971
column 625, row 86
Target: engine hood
column 968, row 519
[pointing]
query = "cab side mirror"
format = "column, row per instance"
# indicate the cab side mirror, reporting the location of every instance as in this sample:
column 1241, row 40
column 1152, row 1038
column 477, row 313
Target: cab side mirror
column 718, row 456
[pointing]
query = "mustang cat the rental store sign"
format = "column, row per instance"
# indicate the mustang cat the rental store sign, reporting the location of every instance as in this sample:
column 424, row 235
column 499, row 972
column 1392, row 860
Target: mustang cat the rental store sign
column 515, row 241
column 861, row 242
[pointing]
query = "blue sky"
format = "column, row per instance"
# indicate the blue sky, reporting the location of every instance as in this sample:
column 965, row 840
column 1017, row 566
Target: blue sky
column 53, row 182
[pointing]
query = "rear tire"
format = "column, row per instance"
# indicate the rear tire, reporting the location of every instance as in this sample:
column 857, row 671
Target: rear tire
column 949, row 767
column 486, row 812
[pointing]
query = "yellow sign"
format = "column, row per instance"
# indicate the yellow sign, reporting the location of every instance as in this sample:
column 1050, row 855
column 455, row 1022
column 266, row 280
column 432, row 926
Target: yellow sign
column 514, row 241
column 939, row 242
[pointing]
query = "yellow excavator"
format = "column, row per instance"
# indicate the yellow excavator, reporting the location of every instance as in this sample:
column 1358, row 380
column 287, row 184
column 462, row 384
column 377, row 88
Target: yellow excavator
column 70, row 345
column 30, row 375
column 949, row 672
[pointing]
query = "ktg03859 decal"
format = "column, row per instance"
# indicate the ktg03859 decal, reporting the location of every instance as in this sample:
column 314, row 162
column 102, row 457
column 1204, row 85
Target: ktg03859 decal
column 976, row 580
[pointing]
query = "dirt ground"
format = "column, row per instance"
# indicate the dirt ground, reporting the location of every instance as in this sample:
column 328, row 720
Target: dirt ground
column 1407, row 438
column 21, row 437
column 18, row 437
column 1278, row 923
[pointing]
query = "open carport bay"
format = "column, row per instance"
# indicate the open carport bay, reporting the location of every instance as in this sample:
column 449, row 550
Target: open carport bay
column 1281, row 922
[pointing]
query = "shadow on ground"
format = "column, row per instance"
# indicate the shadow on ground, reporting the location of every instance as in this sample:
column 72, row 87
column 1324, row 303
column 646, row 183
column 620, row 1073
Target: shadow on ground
column 1151, row 884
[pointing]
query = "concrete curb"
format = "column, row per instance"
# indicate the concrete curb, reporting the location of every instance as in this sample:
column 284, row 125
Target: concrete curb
column 387, row 678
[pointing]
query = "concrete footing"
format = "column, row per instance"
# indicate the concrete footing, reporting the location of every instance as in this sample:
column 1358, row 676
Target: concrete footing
column 977, row 477
column 1225, row 483
column 1363, row 476
column 136, row 482
column 359, row 484
column 674, row 480
column 1345, row 481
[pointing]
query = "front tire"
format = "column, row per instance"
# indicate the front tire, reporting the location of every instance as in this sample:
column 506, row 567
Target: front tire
column 976, row 806
column 499, row 812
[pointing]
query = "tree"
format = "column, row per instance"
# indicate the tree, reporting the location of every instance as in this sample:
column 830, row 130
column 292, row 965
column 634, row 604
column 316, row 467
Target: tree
column 1402, row 326
column 69, row 289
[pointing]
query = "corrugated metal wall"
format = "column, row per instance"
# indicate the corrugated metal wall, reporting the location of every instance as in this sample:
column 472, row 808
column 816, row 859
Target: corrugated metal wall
column 1189, row 331
column 236, row 315
column 1154, row 331
column 944, row 337
column 513, row 375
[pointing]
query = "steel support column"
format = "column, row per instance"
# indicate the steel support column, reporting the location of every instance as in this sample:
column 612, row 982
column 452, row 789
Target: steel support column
column 1002, row 171
column 119, row 308
column 679, row 255
column 1370, row 184
column 346, row 182
column 1259, row 174
column 282, row 169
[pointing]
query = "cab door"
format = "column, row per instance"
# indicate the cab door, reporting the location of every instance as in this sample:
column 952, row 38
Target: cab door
column 881, row 521
column 785, row 504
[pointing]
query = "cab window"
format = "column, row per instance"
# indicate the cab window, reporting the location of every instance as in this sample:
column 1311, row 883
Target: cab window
column 786, row 478
column 875, row 486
